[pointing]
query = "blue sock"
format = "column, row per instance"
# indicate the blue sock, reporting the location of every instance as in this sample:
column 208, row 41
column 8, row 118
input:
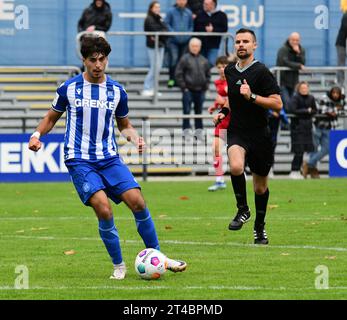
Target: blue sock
column 146, row 229
column 109, row 236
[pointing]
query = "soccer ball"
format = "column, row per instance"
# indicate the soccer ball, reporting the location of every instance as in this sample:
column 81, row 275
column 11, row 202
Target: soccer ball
column 150, row 264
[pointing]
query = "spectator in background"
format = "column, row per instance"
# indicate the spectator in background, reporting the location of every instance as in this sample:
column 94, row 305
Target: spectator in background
column 291, row 55
column 195, row 6
column 97, row 17
column 193, row 77
column 178, row 19
column 341, row 43
column 154, row 23
column 221, row 128
column 95, row 21
column 275, row 119
column 329, row 107
column 210, row 20
column 303, row 106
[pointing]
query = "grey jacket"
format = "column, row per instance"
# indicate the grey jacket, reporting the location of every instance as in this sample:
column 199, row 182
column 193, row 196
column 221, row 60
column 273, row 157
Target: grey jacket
column 287, row 57
column 193, row 72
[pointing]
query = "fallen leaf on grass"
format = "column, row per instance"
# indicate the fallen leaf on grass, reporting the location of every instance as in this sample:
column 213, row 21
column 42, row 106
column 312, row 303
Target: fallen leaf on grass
column 330, row 257
column 184, row 198
column 168, row 227
column 38, row 229
column 69, row 252
column 272, row 206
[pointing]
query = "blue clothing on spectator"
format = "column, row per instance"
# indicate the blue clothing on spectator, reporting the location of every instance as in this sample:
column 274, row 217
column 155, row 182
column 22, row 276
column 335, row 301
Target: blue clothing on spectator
column 179, row 20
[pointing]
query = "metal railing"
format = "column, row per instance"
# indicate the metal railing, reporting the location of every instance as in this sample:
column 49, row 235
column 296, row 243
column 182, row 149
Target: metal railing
column 70, row 70
column 319, row 71
column 225, row 41
column 144, row 128
column 312, row 70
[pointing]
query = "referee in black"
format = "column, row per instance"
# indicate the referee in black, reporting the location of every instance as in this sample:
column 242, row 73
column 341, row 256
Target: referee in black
column 252, row 91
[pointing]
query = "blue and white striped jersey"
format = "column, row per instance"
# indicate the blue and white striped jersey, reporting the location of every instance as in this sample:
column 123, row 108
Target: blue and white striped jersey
column 90, row 113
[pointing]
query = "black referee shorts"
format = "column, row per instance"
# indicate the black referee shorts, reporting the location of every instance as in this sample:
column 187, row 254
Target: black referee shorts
column 259, row 149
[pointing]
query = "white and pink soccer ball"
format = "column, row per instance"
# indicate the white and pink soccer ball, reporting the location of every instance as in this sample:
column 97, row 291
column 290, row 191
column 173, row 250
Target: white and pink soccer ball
column 150, row 264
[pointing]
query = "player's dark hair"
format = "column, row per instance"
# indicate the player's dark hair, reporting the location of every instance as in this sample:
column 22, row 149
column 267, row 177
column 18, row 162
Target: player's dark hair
column 91, row 45
column 244, row 30
column 222, row 60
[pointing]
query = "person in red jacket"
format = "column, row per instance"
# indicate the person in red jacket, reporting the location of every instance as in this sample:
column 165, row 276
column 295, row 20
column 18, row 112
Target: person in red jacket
column 220, row 130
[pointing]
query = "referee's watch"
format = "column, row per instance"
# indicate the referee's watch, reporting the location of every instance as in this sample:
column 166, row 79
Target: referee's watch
column 253, row 97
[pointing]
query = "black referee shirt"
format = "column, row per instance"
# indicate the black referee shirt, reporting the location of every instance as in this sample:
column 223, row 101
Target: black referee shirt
column 246, row 115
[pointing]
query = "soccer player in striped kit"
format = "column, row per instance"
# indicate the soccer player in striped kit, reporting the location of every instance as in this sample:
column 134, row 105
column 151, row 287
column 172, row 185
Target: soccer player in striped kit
column 92, row 101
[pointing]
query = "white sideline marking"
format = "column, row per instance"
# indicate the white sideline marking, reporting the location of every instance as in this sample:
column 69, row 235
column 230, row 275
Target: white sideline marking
column 195, row 218
column 186, row 288
column 176, row 242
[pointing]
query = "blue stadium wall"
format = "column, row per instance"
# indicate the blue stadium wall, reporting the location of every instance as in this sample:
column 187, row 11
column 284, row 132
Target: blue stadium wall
column 41, row 32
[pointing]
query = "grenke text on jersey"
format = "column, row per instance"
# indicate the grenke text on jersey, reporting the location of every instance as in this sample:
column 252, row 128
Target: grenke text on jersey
column 88, row 103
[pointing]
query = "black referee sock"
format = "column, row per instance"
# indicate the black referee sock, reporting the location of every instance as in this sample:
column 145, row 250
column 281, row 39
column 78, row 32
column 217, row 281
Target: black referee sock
column 260, row 207
column 239, row 186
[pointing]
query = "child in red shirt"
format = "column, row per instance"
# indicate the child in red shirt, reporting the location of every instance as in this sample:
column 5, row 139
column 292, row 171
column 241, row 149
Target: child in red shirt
column 220, row 130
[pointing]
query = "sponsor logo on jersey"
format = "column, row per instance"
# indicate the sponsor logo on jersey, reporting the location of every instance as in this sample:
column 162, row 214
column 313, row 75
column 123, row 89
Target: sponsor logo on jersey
column 110, row 94
column 90, row 103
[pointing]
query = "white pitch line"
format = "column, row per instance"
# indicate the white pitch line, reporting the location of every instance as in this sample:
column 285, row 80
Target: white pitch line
column 195, row 218
column 185, row 288
column 185, row 243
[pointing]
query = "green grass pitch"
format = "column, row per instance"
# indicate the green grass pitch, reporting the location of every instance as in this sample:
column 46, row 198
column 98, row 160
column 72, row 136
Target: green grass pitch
column 306, row 224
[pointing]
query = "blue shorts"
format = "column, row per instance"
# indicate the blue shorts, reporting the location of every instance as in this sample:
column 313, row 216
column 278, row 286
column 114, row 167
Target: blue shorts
column 110, row 175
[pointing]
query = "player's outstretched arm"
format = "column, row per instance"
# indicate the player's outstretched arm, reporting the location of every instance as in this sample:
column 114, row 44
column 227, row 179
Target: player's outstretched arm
column 129, row 132
column 45, row 126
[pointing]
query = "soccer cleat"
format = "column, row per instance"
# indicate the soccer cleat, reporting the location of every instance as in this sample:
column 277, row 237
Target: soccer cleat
column 176, row 265
column 240, row 219
column 119, row 272
column 260, row 236
column 217, row 186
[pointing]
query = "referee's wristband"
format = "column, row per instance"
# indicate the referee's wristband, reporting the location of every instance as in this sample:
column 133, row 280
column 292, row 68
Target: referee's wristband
column 224, row 111
column 36, row 134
